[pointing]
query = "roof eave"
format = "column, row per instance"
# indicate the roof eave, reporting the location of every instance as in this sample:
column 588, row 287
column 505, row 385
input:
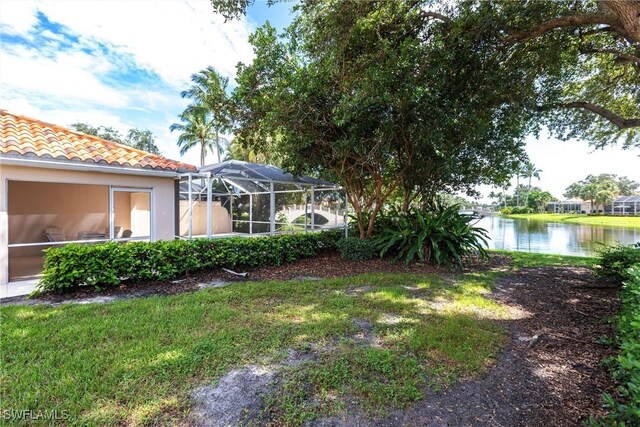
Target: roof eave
column 85, row 167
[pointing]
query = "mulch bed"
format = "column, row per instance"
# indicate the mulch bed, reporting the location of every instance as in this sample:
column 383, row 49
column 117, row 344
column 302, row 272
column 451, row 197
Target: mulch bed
column 556, row 379
column 570, row 315
column 326, row 265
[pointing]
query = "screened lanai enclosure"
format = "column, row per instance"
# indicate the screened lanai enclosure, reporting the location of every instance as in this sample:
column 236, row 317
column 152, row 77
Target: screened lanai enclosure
column 626, row 205
column 243, row 198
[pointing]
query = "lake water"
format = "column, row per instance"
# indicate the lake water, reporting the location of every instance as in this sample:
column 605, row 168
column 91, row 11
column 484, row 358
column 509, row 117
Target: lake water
column 553, row 237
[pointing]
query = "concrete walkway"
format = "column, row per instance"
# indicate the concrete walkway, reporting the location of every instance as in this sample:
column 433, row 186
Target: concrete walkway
column 16, row 289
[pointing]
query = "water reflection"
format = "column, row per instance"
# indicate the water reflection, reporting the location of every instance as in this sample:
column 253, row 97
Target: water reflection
column 553, row 237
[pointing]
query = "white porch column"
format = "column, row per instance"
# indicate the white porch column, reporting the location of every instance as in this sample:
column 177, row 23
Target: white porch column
column 250, row 213
column 313, row 216
column 346, row 214
column 272, row 209
column 209, row 206
column 190, row 216
column 306, row 210
column 4, row 232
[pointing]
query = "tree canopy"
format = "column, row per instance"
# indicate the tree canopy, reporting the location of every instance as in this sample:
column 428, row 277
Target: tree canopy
column 585, row 55
column 423, row 97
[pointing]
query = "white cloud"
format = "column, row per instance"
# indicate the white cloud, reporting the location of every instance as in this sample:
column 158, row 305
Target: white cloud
column 17, row 16
column 113, row 63
column 565, row 162
column 66, row 76
column 173, row 39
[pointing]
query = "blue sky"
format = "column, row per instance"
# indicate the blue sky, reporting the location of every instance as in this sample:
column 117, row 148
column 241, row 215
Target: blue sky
column 123, row 64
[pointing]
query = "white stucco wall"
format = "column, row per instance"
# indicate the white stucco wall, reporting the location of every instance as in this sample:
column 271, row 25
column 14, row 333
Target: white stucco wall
column 163, row 197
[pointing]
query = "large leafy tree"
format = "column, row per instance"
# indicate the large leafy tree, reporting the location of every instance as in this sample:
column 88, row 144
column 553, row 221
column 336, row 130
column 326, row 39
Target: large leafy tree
column 141, row 139
column 588, row 63
column 383, row 98
column 585, row 55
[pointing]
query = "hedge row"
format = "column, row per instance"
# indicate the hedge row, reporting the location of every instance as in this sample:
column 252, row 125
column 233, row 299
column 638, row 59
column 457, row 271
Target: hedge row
column 625, row 409
column 108, row 264
column 622, row 264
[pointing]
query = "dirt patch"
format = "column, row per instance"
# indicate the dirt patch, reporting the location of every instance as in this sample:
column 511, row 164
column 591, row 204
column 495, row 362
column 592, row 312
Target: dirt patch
column 236, row 398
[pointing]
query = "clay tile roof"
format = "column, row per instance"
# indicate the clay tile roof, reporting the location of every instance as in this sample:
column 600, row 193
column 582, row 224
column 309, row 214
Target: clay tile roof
column 22, row 136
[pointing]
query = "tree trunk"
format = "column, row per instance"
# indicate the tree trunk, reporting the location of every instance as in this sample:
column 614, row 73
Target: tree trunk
column 217, row 144
column 361, row 231
column 517, row 193
column 526, row 199
column 203, row 153
column 372, row 220
column 628, row 14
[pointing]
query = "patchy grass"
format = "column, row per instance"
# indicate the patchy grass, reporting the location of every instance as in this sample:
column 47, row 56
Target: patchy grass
column 135, row 361
column 528, row 259
column 612, row 221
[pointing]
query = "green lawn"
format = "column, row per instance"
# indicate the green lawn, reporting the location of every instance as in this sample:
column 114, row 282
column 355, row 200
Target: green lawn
column 613, row 221
column 135, row 361
column 527, row 259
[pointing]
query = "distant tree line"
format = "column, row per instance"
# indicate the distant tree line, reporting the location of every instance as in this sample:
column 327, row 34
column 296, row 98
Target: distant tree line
column 141, row 139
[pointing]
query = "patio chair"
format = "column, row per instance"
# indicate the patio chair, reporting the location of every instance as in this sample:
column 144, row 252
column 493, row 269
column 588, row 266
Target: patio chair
column 116, row 231
column 54, row 234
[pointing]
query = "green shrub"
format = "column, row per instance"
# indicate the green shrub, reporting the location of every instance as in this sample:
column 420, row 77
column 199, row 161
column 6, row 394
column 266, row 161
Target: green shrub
column 355, row 249
column 615, row 261
column 445, row 236
column 108, row 264
column 625, row 408
column 515, row 210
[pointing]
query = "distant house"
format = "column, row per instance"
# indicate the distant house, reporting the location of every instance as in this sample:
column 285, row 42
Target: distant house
column 569, row 206
column 59, row 186
column 623, row 205
column 626, row 205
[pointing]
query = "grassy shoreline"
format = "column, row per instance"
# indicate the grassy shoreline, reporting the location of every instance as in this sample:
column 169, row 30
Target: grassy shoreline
column 609, row 221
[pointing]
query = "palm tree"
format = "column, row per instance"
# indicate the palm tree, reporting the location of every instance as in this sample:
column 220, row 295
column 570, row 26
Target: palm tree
column 237, row 151
column 529, row 171
column 209, row 91
column 519, row 174
column 196, row 129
